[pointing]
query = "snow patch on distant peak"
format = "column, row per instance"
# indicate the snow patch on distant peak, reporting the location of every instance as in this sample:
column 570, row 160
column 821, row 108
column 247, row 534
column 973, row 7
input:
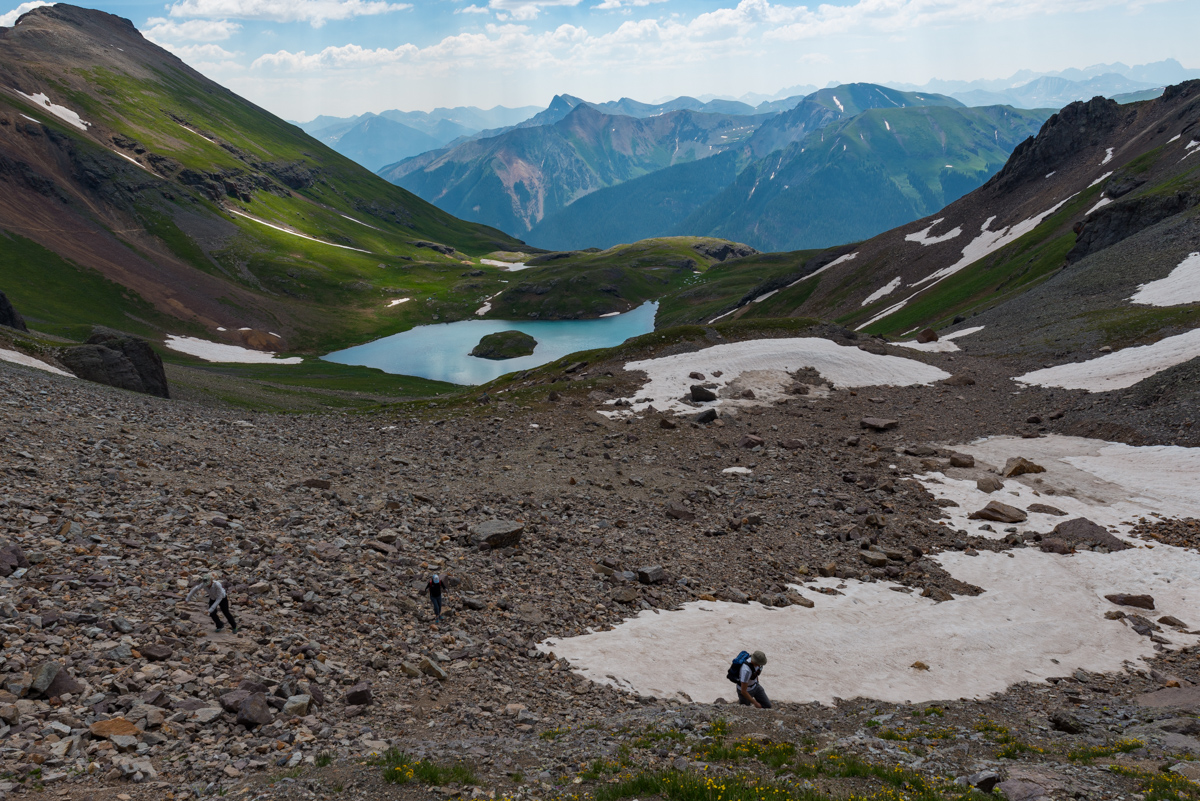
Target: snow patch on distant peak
column 1098, row 180
column 841, row 108
column 62, row 112
column 1104, row 201
column 1107, row 156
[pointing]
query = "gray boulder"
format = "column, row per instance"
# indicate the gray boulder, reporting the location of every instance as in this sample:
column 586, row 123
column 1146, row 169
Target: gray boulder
column 118, row 360
column 9, row 316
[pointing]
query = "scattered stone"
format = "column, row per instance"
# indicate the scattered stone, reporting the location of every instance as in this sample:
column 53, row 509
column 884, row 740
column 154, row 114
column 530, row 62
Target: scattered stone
column 878, row 423
column 751, row 441
column 1081, row 532
column 625, row 595
column 677, row 511
column 1019, row 466
column 1065, row 721
column 706, row 416
column 1000, row 513
column 962, row 460
column 651, row 575
column 111, row 727
column 360, row 694
column 989, row 484
column 1136, row 601
column 254, row 712
column 1044, row 509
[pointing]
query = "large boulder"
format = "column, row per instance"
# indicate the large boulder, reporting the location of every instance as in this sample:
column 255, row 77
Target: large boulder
column 9, row 315
column 1083, row 532
column 254, row 711
column 498, row 534
column 11, row 559
column 118, row 360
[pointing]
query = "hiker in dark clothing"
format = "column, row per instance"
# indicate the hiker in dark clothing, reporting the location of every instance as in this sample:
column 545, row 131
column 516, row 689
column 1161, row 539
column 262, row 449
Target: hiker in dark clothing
column 217, row 599
column 750, row 692
column 434, row 588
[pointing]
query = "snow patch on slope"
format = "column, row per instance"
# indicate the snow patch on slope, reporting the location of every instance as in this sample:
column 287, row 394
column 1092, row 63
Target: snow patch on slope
column 943, row 344
column 843, row 366
column 218, row 352
column 1121, row 369
column 294, row 233
column 62, row 112
column 883, row 291
column 16, row 357
column 1180, row 287
column 923, row 237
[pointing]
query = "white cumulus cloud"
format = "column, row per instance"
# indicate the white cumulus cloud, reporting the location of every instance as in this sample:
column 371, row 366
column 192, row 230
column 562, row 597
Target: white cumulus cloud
column 10, row 19
column 472, row 9
column 161, row 29
column 314, row 12
column 527, row 9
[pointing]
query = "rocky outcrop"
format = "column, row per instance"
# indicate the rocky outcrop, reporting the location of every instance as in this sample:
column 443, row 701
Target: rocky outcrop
column 1079, row 125
column 1111, row 224
column 722, row 251
column 118, row 360
column 9, row 316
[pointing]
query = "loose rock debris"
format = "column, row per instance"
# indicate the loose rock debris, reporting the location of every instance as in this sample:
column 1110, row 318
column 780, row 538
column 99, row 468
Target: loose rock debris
column 325, row 529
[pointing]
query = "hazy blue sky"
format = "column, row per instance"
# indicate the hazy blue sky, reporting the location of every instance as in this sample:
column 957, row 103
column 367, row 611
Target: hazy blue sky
column 300, row 58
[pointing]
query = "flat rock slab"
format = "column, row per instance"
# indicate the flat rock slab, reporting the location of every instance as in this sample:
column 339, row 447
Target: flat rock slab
column 1136, row 601
column 1181, row 697
column 1000, row 513
column 114, row 727
column 498, row 533
column 878, row 423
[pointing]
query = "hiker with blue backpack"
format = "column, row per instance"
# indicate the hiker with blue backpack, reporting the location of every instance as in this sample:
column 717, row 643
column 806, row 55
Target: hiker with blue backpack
column 744, row 672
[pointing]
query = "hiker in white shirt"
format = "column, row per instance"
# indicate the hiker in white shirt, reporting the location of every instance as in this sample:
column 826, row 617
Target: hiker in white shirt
column 750, row 692
column 217, row 599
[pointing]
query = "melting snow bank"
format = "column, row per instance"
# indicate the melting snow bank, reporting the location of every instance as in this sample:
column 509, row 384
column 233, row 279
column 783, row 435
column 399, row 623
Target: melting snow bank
column 511, row 266
column 944, row 344
column 1181, row 286
column 294, row 233
column 1121, row 369
column 767, row 362
column 16, row 357
column 217, row 352
column 883, row 291
column 924, row 238
column 62, row 112
column 1109, row 483
column 1036, row 607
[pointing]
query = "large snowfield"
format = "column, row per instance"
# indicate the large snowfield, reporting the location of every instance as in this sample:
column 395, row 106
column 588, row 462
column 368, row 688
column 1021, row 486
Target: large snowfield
column 1040, row 614
column 763, row 365
column 1121, row 369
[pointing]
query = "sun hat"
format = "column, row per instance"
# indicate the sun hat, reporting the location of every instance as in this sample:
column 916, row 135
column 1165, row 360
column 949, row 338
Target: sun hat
column 759, row 658
column 208, row 578
column 435, row 578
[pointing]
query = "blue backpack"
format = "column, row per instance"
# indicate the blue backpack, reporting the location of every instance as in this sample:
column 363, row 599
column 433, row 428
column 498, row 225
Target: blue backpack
column 734, row 673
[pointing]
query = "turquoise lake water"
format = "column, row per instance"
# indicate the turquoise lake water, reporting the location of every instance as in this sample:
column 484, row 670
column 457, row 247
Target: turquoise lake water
column 441, row 351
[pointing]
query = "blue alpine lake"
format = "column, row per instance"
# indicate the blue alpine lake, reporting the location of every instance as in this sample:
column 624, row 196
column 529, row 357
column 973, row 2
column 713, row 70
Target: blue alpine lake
column 441, row 351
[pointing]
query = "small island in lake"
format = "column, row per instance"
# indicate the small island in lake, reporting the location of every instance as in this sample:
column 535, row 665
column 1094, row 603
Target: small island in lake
column 505, row 345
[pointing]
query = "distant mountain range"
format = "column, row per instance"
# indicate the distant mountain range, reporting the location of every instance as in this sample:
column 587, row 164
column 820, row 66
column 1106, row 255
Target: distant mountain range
column 594, row 177
column 1028, row 89
column 375, row 140
column 520, row 177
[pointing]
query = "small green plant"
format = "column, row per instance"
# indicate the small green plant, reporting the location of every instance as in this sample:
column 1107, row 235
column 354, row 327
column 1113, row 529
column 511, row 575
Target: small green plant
column 1087, row 754
column 552, row 734
column 324, row 759
column 1013, row 748
column 1161, row 786
column 517, row 776
column 400, row 768
column 598, row 769
column 934, row 710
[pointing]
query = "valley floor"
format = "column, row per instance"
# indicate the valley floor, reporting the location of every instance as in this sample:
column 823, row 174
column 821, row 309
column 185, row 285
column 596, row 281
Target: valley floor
column 326, row 527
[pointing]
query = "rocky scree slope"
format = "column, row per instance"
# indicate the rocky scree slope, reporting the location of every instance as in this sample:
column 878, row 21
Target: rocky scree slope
column 130, row 181
column 325, row 529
